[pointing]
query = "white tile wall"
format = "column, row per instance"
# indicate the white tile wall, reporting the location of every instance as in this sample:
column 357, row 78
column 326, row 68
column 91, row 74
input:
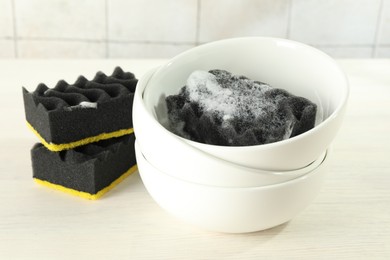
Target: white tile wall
column 7, row 49
column 152, row 20
column 6, row 23
column 60, row 49
column 346, row 22
column 384, row 34
column 383, row 52
column 83, row 19
column 231, row 18
column 164, row 28
column 146, row 50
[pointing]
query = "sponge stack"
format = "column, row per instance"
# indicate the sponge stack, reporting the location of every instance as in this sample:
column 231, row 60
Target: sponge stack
column 86, row 133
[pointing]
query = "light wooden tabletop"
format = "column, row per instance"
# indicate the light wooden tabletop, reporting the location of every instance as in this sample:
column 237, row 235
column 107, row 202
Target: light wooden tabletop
column 350, row 219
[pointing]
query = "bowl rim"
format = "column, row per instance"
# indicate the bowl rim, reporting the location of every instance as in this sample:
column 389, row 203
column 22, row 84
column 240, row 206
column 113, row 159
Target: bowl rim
column 342, row 104
column 291, row 172
column 254, row 188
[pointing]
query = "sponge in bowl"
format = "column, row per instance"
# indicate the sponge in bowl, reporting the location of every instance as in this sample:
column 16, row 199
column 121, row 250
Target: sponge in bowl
column 220, row 108
column 87, row 171
column 68, row 116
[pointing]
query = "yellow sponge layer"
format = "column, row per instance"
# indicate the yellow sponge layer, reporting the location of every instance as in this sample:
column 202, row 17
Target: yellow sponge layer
column 59, row 147
column 83, row 194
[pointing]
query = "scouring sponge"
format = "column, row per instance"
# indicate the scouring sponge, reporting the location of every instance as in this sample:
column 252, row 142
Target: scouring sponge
column 68, row 116
column 220, row 108
column 87, row 171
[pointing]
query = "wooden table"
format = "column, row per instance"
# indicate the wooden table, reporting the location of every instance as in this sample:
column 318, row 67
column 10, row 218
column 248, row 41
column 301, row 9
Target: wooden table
column 350, row 219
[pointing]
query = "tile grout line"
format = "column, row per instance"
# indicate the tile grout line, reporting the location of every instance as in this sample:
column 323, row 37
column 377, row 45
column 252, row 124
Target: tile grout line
column 377, row 30
column 101, row 41
column 106, row 30
column 151, row 42
column 289, row 19
column 338, row 45
column 7, row 37
column 197, row 29
column 167, row 43
column 16, row 52
column 65, row 39
column 341, row 45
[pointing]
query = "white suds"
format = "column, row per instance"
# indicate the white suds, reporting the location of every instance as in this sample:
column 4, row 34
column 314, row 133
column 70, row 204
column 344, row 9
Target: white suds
column 83, row 105
column 242, row 98
column 218, row 107
column 86, row 104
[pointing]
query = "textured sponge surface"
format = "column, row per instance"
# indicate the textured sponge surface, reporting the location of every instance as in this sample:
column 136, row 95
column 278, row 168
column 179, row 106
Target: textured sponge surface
column 71, row 112
column 220, row 108
column 90, row 168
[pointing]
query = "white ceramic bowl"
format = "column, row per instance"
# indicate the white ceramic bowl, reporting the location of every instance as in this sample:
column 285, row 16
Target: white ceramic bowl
column 175, row 157
column 298, row 68
column 233, row 210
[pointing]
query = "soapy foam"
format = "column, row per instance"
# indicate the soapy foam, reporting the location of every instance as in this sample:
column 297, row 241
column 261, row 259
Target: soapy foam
column 236, row 98
column 217, row 107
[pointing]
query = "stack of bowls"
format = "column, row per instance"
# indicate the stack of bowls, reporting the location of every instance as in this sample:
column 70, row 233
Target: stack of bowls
column 246, row 188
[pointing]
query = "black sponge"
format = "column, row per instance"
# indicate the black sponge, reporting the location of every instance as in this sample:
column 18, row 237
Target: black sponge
column 220, row 108
column 87, row 171
column 68, row 116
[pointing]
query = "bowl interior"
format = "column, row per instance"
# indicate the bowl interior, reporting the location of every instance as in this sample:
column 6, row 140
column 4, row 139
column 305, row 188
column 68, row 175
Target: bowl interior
column 295, row 67
column 175, row 157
